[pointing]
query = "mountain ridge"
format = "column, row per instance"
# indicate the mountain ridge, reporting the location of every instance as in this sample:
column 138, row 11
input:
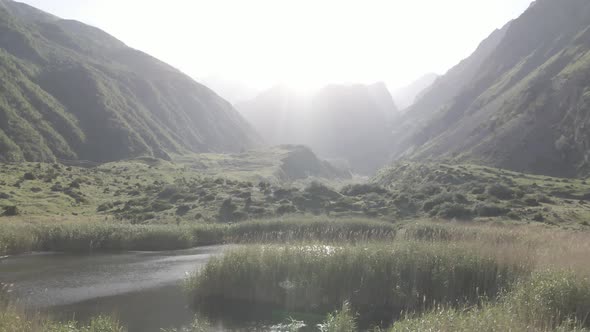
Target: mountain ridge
column 517, row 105
column 71, row 91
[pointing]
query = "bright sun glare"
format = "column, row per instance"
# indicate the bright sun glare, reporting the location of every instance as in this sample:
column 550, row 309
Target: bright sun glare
column 303, row 43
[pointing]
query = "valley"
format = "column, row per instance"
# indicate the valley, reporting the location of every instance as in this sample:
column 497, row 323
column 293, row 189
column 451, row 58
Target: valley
column 135, row 199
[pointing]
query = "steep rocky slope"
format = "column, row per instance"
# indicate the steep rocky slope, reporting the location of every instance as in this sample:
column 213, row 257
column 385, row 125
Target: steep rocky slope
column 71, row 91
column 519, row 102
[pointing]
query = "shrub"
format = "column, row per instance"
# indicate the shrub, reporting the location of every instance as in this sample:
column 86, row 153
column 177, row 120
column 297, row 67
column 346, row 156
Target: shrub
column 539, row 217
column 29, row 176
column 105, row 207
column 362, row 189
column 437, row 200
column 286, row 209
column 182, row 210
column 319, row 190
column 10, row 211
column 340, row 321
column 159, row 206
column 513, row 215
column 531, row 201
column 490, row 210
column 227, row 210
column 500, row 191
column 168, row 192
column 453, row 211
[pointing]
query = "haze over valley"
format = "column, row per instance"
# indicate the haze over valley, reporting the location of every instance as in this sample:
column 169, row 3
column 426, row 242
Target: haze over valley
column 190, row 166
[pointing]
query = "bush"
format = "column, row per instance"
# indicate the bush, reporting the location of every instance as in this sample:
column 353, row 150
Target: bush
column 362, row 189
column 484, row 210
column 340, row 321
column 159, row 206
column 500, row 192
column 29, row 176
column 182, row 210
column 168, row 192
column 531, row 201
column 11, row 211
column 227, row 210
column 105, row 207
column 319, row 190
column 539, row 217
column 437, row 200
column 453, row 211
column 286, row 209
column 513, row 215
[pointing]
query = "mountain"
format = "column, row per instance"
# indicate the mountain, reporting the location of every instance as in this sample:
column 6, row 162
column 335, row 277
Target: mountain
column 71, row 91
column 406, row 96
column 340, row 122
column 519, row 102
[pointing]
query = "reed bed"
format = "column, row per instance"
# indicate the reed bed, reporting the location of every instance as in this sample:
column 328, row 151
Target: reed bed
column 548, row 301
column 16, row 238
column 499, row 272
column 312, row 229
column 376, row 279
column 86, row 237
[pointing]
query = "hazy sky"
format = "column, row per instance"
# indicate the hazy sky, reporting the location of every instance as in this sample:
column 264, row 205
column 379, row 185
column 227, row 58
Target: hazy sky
column 298, row 42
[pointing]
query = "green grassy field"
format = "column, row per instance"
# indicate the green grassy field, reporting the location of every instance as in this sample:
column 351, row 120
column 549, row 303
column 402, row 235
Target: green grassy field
column 151, row 191
column 431, row 247
column 431, row 277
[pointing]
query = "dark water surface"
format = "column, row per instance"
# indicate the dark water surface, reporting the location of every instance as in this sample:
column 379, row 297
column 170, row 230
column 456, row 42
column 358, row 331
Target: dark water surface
column 142, row 289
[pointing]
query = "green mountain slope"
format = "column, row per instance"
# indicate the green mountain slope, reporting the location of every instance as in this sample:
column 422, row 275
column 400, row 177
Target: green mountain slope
column 71, row 91
column 339, row 122
column 519, row 102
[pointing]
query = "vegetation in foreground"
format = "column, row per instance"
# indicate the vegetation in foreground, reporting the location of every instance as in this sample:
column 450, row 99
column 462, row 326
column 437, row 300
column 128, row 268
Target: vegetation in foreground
column 434, row 276
column 13, row 319
column 377, row 279
column 17, row 237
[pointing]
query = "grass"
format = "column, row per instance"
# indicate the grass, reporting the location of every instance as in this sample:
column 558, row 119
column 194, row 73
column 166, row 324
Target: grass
column 340, row 321
column 151, row 191
column 548, row 301
column 441, row 276
column 324, row 229
column 15, row 320
column 444, row 191
column 377, row 279
column 19, row 237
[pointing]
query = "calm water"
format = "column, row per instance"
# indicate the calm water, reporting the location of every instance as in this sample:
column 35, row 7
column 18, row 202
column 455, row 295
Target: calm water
column 142, row 289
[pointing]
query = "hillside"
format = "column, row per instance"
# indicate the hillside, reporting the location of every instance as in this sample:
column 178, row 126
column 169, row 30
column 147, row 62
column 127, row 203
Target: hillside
column 71, row 91
column 192, row 187
column 346, row 123
column 406, row 96
column 466, row 191
column 519, row 102
column 284, row 164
